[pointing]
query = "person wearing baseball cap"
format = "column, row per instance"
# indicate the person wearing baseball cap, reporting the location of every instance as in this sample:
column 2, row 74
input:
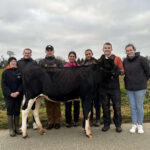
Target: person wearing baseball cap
column 52, row 108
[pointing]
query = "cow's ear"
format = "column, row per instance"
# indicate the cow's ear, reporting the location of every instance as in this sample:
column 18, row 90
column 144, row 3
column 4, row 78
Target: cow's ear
column 111, row 61
column 99, row 63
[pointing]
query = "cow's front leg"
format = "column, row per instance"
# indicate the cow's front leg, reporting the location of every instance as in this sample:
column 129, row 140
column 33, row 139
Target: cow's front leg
column 87, row 128
column 24, row 123
column 25, row 112
column 86, row 105
column 36, row 116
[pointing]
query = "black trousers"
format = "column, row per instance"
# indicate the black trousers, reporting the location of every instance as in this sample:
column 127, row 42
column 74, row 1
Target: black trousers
column 68, row 111
column 13, row 106
column 115, row 97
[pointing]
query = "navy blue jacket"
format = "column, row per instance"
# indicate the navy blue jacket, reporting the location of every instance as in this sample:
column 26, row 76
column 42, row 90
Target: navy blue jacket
column 11, row 82
column 137, row 72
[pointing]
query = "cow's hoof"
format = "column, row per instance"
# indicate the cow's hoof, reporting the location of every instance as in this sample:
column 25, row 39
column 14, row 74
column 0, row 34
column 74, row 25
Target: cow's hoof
column 89, row 136
column 42, row 132
column 25, row 136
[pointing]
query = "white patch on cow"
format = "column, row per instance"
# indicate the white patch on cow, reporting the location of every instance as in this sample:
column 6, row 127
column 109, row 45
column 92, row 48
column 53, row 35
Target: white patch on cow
column 87, row 127
column 106, row 57
column 23, row 100
column 25, row 115
column 36, row 113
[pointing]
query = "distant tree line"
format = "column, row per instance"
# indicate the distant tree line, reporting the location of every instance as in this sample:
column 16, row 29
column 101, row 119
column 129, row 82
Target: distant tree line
column 3, row 61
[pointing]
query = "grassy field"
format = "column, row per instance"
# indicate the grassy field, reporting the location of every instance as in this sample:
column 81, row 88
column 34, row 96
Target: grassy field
column 125, row 107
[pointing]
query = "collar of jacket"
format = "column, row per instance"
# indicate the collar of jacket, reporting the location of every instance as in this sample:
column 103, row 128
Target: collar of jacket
column 137, row 54
column 24, row 59
column 50, row 57
column 112, row 56
column 8, row 67
column 90, row 60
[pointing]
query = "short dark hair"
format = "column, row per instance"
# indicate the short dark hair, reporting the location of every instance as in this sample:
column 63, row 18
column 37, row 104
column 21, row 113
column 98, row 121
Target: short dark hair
column 131, row 46
column 72, row 52
column 107, row 43
column 28, row 49
column 11, row 58
column 88, row 50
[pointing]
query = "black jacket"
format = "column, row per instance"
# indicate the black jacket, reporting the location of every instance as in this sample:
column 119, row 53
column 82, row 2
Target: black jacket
column 50, row 61
column 137, row 72
column 90, row 62
column 11, row 82
column 111, row 82
column 25, row 64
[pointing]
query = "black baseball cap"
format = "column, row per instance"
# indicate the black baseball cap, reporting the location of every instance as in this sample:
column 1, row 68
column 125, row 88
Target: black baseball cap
column 49, row 47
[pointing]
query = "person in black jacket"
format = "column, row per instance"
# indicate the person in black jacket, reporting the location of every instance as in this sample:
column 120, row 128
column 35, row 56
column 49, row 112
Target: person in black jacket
column 52, row 108
column 137, row 73
column 89, row 60
column 25, row 64
column 12, row 91
column 110, row 88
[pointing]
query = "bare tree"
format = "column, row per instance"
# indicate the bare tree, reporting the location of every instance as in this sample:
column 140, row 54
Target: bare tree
column 3, row 62
column 10, row 53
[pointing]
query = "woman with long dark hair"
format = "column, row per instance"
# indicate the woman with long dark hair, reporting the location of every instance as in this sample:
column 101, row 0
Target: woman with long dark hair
column 68, row 105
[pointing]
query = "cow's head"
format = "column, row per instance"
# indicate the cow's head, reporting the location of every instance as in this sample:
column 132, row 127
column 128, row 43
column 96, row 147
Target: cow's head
column 108, row 67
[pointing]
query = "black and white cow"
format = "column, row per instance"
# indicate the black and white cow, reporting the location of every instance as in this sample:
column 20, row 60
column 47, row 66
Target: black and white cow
column 61, row 85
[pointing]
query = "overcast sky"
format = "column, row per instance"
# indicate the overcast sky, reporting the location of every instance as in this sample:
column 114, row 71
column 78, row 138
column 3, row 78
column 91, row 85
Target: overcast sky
column 74, row 25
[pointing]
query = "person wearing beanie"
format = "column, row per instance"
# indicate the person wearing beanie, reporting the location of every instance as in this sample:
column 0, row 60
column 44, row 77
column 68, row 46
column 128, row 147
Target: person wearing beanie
column 13, row 95
column 137, row 73
column 52, row 108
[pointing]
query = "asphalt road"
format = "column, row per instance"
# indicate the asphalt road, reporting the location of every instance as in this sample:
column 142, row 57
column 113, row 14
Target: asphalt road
column 75, row 139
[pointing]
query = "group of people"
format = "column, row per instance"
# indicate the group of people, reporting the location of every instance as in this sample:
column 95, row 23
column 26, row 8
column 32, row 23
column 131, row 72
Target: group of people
column 134, row 67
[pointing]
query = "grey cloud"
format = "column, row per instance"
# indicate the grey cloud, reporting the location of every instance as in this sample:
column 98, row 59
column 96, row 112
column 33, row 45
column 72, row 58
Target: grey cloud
column 74, row 25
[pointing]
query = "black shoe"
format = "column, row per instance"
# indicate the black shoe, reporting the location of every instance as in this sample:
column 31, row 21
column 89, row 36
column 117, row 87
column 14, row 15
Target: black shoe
column 91, row 123
column 76, row 124
column 49, row 126
column 118, row 129
column 97, row 123
column 57, row 126
column 68, row 125
column 105, row 128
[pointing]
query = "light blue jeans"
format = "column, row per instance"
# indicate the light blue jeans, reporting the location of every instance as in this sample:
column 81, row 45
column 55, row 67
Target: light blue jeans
column 136, row 99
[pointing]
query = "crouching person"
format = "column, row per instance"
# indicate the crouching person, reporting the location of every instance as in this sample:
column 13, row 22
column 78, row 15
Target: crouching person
column 12, row 91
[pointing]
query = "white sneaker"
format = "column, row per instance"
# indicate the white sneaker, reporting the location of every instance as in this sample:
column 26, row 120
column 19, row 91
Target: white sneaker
column 140, row 129
column 35, row 126
column 133, row 129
